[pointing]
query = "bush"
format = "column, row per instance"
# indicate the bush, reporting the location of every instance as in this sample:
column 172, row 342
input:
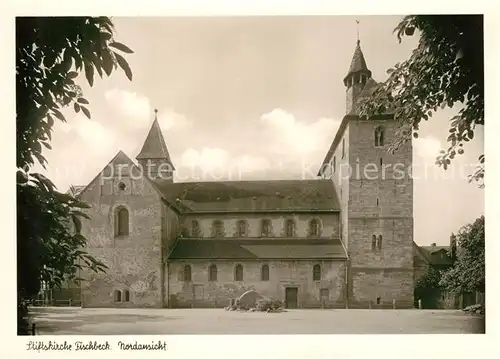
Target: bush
column 267, row 305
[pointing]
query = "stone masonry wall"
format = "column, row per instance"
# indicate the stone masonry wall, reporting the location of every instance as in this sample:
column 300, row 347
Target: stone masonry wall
column 200, row 292
column 329, row 224
column 380, row 203
column 134, row 261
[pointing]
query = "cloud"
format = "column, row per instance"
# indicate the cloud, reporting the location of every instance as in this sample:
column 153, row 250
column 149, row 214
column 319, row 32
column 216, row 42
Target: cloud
column 170, row 119
column 133, row 107
column 427, row 147
column 287, row 135
column 137, row 113
column 212, row 164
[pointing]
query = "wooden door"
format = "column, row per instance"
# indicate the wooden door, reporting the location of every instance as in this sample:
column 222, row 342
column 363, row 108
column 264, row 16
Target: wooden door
column 291, row 297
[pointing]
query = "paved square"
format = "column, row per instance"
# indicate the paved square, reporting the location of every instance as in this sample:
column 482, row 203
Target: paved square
column 76, row 321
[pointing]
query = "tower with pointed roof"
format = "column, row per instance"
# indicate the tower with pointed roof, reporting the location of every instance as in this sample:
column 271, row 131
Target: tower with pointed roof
column 357, row 77
column 154, row 158
column 376, row 197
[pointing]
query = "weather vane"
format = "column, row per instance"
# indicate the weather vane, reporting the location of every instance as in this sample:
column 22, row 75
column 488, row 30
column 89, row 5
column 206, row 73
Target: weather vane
column 357, row 28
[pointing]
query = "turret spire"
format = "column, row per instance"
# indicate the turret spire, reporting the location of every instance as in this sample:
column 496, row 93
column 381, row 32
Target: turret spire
column 154, row 152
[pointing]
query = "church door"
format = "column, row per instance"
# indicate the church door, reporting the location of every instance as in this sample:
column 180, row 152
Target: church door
column 291, row 296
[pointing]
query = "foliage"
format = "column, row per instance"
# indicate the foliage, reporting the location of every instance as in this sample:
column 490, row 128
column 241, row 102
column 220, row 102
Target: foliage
column 50, row 53
column 268, row 304
column 445, row 69
column 428, row 288
column 468, row 271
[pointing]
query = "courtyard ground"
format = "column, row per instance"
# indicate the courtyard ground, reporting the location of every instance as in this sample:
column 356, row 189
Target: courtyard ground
column 77, row 321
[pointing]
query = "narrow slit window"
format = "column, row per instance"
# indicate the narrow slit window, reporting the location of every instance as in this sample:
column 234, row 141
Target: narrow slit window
column 317, row 272
column 238, row 273
column 265, row 272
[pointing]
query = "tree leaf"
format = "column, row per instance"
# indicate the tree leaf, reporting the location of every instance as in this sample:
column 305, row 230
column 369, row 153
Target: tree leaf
column 76, row 106
column 107, row 62
column 59, row 115
column 124, row 65
column 72, row 74
column 83, row 100
column 89, row 73
column 121, row 47
column 86, row 112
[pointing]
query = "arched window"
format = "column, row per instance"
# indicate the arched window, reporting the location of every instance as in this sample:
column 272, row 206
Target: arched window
column 289, row 227
column 121, row 222
column 374, row 242
column 379, row 137
column 117, row 296
column 187, row 273
column 241, row 228
column 195, row 228
column 238, row 273
column 264, row 272
column 379, row 242
column 218, row 228
column 314, row 227
column 317, row 272
column 265, row 228
column 212, row 273
column 126, row 296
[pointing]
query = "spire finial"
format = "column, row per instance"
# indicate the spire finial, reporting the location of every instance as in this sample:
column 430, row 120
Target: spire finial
column 357, row 29
column 156, row 113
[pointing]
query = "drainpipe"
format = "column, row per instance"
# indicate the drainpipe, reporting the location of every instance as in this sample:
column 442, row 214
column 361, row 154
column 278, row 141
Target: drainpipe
column 346, row 285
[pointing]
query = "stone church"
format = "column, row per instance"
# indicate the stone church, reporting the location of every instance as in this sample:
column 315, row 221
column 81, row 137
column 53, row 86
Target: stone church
column 338, row 241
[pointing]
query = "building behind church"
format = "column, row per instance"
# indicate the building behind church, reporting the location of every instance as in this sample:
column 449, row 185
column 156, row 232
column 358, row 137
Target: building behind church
column 338, row 241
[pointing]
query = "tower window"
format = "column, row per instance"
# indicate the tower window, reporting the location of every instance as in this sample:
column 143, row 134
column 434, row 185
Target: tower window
column 317, row 272
column 381, row 161
column 379, row 137
column 121, row 222
column 374, row 242
column 238, row 273
column 377, row 202
column 379, row 242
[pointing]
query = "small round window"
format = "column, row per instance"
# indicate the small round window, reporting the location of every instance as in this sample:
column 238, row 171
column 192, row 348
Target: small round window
column 121, row 186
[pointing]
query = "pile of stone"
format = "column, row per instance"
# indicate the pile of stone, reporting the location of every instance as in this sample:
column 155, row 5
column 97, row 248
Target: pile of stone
column 475, row 309
column 251, row 301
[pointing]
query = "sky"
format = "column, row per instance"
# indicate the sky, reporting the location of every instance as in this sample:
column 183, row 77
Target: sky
column 253, row 98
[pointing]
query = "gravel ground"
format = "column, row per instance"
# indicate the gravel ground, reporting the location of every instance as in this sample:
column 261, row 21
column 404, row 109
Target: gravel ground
column 70, row 321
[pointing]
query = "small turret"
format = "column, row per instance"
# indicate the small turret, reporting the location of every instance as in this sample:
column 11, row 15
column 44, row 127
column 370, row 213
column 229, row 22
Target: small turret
column 154, row 158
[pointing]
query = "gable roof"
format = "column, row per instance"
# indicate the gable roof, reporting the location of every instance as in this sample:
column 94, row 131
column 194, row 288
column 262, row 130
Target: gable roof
column 258, row 249
column 435, row 255
column 119, row 159
column 154, row 146
column 252, row 196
